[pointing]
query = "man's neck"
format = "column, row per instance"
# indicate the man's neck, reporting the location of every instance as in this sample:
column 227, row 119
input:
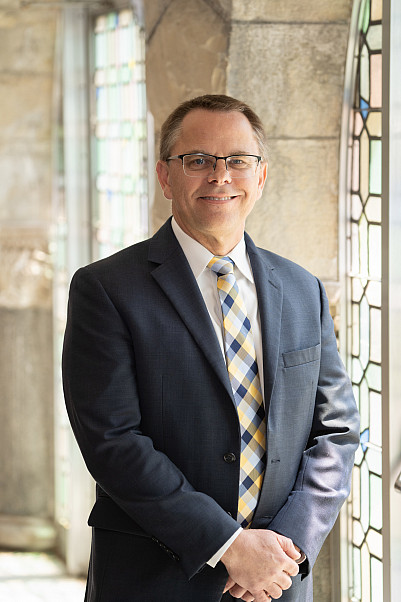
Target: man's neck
column 218, row 244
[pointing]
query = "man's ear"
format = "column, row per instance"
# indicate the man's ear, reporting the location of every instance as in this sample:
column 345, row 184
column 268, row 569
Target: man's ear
column 262, row 178
column 163, row 175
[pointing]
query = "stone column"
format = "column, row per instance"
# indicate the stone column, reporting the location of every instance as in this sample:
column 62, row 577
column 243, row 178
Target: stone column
column 26, row 358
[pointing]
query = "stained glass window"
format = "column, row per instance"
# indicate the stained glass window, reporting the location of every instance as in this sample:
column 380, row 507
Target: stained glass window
column 120, row 207
column 364, row 319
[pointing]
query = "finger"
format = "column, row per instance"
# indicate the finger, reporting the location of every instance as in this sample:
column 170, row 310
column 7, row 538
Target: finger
column 237, row 591
column 230, row 583
column 284, row 581
column 275, row 591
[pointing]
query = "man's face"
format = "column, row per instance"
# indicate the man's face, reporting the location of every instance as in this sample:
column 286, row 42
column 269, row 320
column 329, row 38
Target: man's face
column 214, row 206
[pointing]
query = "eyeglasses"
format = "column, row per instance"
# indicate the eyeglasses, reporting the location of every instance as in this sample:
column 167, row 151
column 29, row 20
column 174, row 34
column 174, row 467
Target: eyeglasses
column 199, row 164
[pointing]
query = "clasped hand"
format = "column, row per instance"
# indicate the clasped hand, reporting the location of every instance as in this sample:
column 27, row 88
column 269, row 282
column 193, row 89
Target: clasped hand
column 260, row 564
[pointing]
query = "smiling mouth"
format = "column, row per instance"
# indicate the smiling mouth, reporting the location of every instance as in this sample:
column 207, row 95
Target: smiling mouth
column 218, row 198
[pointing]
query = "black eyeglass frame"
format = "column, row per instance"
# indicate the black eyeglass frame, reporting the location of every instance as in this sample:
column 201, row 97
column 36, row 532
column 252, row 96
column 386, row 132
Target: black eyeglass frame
column 215, row 157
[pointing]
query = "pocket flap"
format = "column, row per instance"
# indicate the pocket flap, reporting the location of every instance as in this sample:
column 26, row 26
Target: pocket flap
column 302, row 356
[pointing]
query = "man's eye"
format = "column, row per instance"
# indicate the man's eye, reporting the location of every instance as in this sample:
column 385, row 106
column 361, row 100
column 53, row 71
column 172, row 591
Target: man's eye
column 198, row 162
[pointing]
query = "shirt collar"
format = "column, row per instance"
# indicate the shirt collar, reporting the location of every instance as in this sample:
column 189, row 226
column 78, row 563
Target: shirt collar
column 198, row 256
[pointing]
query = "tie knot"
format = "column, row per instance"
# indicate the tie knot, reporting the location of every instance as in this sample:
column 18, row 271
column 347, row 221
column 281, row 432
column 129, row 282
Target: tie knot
column 221, row 265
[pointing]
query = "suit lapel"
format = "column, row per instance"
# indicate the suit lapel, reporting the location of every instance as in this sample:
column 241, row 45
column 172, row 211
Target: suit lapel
column 175, row 277
column 270, row 300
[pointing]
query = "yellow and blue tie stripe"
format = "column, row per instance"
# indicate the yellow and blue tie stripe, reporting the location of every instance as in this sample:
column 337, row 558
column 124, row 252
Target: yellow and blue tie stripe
column 243, row 372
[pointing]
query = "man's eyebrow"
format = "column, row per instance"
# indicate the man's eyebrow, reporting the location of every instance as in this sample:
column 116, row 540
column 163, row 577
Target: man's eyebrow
column 204, row 152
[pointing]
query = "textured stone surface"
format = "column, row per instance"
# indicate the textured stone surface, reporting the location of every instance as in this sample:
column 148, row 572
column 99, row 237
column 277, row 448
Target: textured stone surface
column 25, row 174
column 292, row 10
column 186, row 56
column 26, row 271
column 297, row 215
column 26, row 413
column 291, row 75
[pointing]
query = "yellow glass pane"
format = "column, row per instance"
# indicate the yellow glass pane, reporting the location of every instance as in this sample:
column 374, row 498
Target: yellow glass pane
column 356, row 565
column 373, row 293
column 377, row 10
column 355, row 329
column 375, row 256
column 363, row 246
column 375, row 543
column 357, row 533
column 374, row 123
column 358, row 124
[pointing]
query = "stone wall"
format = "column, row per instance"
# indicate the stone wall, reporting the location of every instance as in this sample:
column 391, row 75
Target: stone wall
column 27, row 36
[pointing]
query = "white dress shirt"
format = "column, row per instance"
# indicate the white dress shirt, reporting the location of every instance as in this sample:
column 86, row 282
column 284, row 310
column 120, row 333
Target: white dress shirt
column 198, row 257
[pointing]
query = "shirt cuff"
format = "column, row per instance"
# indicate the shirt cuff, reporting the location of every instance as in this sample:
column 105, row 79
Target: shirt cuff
column 216, row 557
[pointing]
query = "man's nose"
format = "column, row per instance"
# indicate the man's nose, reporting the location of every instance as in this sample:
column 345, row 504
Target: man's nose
column 220, row 173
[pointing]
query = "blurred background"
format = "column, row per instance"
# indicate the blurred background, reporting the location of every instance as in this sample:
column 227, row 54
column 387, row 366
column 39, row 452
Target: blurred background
column 84, row 89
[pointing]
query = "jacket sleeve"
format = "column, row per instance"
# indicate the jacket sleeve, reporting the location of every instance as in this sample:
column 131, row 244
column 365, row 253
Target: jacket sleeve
column 324, row 475
column 99, row 378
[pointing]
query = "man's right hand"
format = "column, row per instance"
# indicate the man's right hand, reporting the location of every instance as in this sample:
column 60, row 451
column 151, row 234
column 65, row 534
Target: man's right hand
column 260, row 562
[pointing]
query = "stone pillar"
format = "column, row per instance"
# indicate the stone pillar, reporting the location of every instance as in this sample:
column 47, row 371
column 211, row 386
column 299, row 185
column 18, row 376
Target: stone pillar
column 26, row 358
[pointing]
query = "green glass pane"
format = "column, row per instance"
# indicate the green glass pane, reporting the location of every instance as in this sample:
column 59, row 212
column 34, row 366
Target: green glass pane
column 375, row 418
column 100, row 50
column 128, row 185
column 374, row 37
column 373, row 209
column 125, row 75
column 377, row 580
column 375, row 257
column 365, row 497
column 364, row 166
column 375, row 167
column 376, row 513
column 373, row 375
column 364, row 15
column 374, row 123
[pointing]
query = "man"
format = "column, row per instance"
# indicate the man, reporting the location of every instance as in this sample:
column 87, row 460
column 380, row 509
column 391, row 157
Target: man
column 205, row 390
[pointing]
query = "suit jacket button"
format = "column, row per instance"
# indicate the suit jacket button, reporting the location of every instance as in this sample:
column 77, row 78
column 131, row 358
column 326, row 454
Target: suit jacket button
column 229, row 457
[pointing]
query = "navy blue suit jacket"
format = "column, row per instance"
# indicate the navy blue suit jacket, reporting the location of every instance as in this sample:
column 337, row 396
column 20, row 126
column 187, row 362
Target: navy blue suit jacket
column 151, row 406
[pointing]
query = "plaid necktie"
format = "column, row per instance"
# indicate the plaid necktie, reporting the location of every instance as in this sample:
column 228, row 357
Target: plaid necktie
column 244, row 377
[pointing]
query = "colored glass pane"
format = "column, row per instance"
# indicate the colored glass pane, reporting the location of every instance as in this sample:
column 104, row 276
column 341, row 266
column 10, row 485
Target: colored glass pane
column 374, row 37
column 375, row 418
column 375, row 251
column 364, row 263
column 374, row 123
column 364, row 84
column 377, row 10
column 376, row 80
column 373, row 209
column 376, row 570
column 120, row 154
column 364, row 166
